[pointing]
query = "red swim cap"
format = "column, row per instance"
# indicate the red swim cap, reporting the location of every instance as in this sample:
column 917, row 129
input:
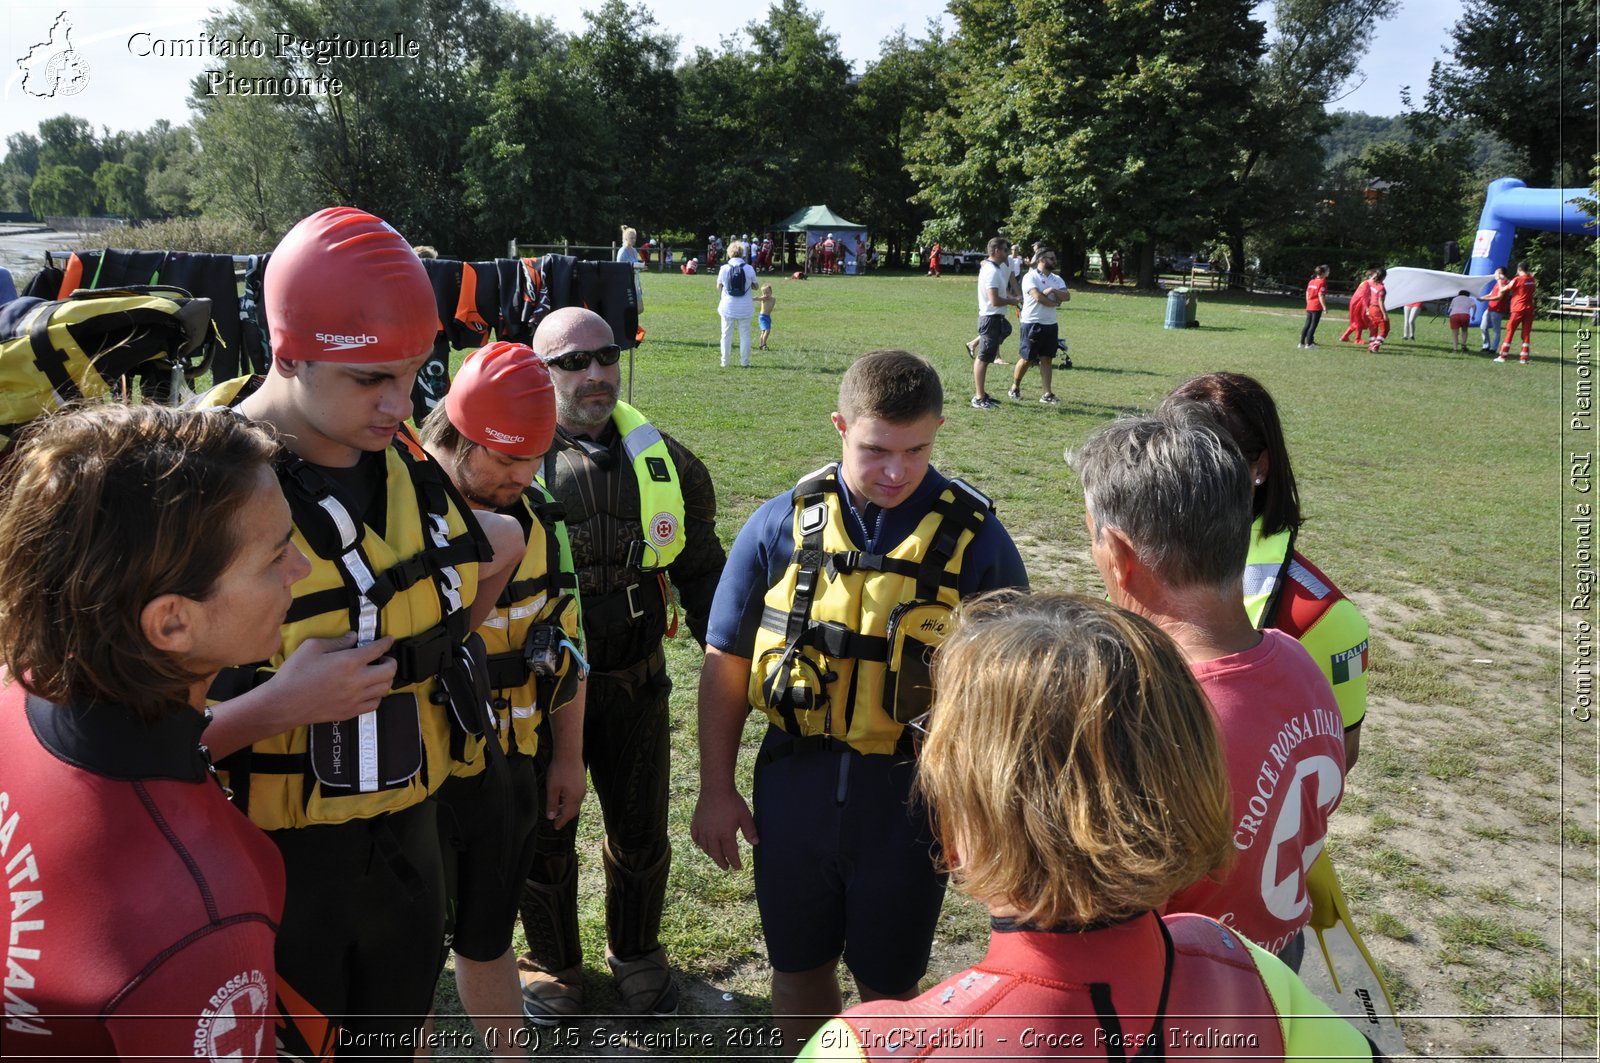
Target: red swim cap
column 343, row 286
column 502, row 399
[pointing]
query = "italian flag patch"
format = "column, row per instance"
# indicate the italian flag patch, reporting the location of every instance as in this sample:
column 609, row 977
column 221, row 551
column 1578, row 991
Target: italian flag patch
column 1351, row 664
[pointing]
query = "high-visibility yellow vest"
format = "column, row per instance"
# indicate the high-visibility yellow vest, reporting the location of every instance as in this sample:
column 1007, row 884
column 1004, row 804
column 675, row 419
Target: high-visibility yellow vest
column 1282, row 590
column 660, row 494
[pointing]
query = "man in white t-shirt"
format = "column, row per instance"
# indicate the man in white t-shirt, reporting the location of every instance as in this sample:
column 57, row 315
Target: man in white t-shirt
column 994, row 295
column 1043, row 290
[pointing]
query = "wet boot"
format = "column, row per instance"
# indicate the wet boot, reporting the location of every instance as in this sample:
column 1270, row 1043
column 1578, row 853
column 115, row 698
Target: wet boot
column 634, row 899
column 551, row 971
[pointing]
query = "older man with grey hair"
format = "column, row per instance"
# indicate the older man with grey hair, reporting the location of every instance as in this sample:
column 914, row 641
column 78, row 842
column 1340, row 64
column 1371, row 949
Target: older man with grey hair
column 1168, row 510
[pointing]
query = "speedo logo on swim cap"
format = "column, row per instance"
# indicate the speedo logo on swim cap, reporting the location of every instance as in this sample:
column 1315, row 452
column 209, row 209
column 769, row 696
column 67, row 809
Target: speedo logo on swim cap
column 345, row 343
column 501, row 437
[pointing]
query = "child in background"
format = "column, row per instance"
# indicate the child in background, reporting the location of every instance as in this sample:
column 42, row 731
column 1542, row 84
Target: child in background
column 1460, row 320
column 764, row 307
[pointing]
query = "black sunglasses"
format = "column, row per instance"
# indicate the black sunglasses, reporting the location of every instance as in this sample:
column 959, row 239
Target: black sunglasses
column 578, row 361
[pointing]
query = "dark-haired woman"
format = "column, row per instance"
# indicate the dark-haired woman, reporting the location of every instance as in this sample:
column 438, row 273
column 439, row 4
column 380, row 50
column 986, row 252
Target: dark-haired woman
column 142, row 550
column 1281, row 588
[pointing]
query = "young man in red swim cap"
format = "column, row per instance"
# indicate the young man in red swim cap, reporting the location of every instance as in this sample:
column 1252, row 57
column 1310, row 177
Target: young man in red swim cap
column 490, row 434
column 333, row 746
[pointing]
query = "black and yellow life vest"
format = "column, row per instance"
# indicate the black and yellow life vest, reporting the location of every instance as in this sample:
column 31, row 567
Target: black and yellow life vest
column 415, row 582
column 543, row 593
column 54, row 352
column 846, row 637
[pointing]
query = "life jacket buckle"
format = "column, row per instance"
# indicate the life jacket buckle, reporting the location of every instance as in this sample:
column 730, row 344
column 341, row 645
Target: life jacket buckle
column 421, row 656
column 635, row 610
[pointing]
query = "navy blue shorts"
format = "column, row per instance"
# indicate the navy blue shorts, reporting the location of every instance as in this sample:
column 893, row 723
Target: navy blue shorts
column 1038, row 341
column 845, row 866
column 992, row 331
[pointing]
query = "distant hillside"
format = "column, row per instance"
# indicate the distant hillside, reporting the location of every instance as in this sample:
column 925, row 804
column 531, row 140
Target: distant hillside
column 1352, row 131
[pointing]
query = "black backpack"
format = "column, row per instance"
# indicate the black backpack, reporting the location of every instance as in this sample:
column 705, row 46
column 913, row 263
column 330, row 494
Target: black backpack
column 738, row 283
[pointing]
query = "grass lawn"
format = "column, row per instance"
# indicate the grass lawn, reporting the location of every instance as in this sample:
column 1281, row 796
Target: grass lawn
column 1433, row 484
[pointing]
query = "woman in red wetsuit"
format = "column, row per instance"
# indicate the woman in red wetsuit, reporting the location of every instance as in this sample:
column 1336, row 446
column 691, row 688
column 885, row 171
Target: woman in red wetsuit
column 142, row 549
column 1115, row 796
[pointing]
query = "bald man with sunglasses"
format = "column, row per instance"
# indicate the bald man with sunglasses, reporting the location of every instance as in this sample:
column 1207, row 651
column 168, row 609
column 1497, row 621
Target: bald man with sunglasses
column 640, row 510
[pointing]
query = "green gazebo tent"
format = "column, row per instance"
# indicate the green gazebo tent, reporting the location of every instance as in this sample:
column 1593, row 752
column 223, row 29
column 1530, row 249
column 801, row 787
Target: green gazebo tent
column 816, row 222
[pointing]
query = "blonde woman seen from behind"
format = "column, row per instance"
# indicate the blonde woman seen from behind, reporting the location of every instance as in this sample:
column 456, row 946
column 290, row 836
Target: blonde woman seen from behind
column 736, row 304
column 1077, row 781
column 629, row 253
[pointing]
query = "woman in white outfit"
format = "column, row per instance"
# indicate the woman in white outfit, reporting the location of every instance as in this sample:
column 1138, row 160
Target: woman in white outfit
column 629, row 253
column 736, row 284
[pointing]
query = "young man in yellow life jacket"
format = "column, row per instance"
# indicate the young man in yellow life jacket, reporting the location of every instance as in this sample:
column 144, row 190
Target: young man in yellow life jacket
column 490, row 433
column 333, row 746
column 640, row 509
column 834, row 596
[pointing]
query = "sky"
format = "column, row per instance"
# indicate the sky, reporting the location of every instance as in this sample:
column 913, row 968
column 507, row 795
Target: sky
column 120, row 89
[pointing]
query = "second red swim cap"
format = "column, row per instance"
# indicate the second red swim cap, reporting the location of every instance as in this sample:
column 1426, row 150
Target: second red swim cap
column 502, row 399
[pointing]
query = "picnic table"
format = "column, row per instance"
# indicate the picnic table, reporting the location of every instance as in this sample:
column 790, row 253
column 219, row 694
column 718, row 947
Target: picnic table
column 1570, row 303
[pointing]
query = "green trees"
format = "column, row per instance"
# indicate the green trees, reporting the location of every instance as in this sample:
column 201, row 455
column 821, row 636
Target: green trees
column 1114, row 120
column 968, row 159
column 1278, row 164
column 892, row 102
column 393, row 138
column 1524, row 70
column 121, row 190
column 21, row 162
column 627, row 63
column 1088, row 123
column 62, row 190
column 542, row 163
column 767, row 129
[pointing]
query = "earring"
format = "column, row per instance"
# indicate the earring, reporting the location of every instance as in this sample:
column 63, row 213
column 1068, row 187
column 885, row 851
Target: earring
column 1259, row 481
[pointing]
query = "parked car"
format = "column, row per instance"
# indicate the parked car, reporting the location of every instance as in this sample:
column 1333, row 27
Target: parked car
column 960, row 261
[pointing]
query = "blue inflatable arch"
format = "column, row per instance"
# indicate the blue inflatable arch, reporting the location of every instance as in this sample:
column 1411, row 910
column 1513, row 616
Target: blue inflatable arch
column 1511, row 205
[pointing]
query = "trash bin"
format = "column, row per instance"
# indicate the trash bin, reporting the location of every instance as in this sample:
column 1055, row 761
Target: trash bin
column 1180, row 309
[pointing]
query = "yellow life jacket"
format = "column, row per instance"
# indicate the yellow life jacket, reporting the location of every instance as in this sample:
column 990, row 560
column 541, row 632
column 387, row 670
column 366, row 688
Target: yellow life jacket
column 660, row 493
column 542, row 593
column 415, row 582
column 846, row 637
column 79, row 346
